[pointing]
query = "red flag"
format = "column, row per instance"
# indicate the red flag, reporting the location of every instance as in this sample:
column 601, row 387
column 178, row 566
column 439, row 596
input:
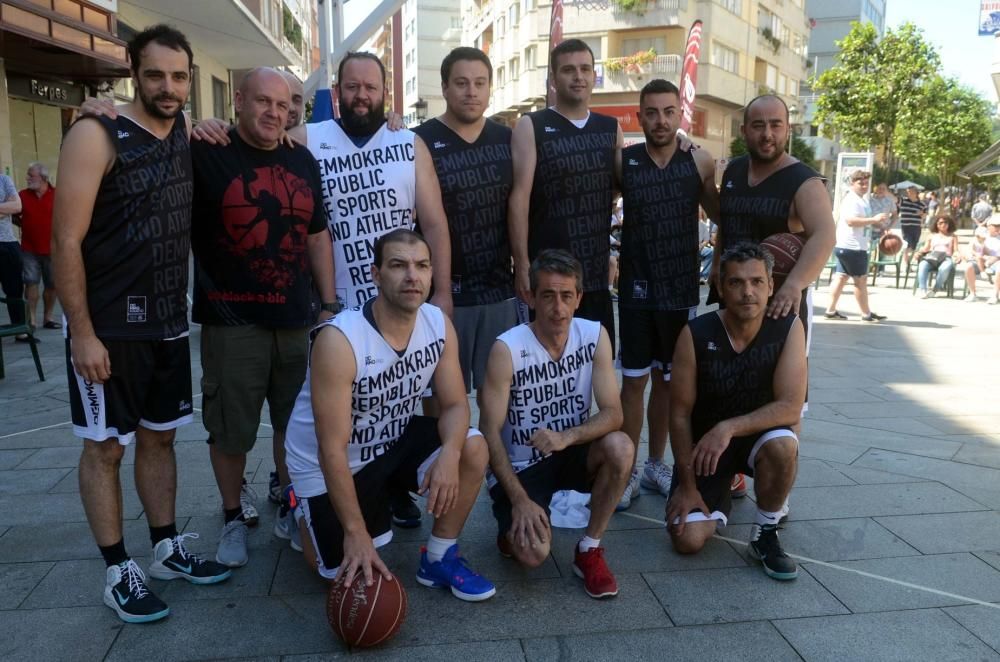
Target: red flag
column 689, row 75
column 555, row 38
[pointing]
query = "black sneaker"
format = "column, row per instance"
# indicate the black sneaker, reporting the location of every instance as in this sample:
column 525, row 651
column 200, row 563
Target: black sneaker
column 126, row 592
column 834, row 315
column 172, row 561
column 405, row 513
column 765, row 547
column 872, row 317
column 274, row 489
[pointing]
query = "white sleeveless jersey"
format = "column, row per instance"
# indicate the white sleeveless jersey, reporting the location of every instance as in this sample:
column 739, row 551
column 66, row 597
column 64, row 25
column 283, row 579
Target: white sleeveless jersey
column 546, row 393
column 367, row 191
column 387, row 390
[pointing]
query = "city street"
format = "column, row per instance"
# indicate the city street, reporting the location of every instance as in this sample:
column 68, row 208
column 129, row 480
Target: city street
column 894, row 521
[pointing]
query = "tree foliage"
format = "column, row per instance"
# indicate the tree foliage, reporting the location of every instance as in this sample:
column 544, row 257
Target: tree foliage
column 801, row 150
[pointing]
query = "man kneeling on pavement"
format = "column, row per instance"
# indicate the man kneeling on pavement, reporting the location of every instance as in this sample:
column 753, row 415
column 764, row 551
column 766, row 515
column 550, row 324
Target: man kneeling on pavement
column 739, row 381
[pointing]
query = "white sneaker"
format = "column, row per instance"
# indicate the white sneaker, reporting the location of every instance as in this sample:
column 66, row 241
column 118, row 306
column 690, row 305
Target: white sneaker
column 992, row 301
column 248, row 502
column 232, row 550
column 970, row 298
column 656, row 475
column 286, row 528
column 631, row 492
column 925, row 294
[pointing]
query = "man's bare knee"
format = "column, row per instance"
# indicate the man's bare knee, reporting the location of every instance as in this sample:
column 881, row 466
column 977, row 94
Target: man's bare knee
column 531, row 557
column 108, row 453
column 634, row 386
column 617, row 450
column 691, row 542
column 778, row 453
column 475, row 454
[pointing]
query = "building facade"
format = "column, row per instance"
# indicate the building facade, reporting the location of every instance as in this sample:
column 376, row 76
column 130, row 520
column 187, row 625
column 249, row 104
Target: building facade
column 431, row 29
column 748, row 47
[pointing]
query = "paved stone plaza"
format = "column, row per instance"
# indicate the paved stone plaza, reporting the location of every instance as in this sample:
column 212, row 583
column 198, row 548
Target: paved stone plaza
column 894, row 519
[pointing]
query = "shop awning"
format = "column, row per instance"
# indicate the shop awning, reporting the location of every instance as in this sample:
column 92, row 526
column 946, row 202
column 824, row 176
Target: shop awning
column 983, row 165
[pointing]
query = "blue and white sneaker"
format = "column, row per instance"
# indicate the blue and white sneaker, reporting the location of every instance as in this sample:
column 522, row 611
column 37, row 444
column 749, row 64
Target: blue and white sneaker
column 453, row 572
column 171, row 560
column 126, row 592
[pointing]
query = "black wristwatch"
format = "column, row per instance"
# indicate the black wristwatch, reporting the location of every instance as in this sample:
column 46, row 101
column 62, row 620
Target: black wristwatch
column 333, row 307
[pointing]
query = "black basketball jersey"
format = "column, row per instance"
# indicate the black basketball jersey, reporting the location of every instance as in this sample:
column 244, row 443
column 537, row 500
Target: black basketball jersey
column 659, row 253
column 475, row 183
column 732, row 383
column 135, row 253
column 753, row 213
column 572, row 192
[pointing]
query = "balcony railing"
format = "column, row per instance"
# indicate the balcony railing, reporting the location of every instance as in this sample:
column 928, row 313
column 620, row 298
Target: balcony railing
column 640, row 7
column 660, row 64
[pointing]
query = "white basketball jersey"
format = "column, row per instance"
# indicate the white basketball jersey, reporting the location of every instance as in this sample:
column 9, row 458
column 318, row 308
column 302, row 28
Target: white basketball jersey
column 367, row 191
column 546, row 393
column 387, row 390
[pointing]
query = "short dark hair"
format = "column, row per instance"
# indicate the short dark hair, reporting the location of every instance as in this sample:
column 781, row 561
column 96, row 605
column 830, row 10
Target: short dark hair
column 556, row 261
column 397, row 236
column 951, row 222
column 569, row 46
column 463, row 53
column 359, row 55
column 657, row 86
column 162, row 34
column 745, row 251
column 746, row 108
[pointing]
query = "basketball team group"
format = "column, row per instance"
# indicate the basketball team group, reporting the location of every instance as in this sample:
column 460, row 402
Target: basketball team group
column 363, row 280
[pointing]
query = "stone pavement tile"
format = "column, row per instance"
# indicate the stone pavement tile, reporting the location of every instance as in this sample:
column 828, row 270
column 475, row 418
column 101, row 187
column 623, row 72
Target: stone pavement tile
column 827, row 396
column 479, row 651
column 816, row 473
column 960, row 574
column 59, row 435
column 943, row 533
column 252, row 580
column 984, row 622
column 810, row 447
column 724, row 643
column 17, row 580
column 26, row 406
column 864, row 476
column 984, row 455
column 30, row 481
column 643, row 550
column 851, row 435
column 65, row 507
column 225, row 628
column 878, row 500
column 730, row 595
column 10, row 459
column 72, row 634
column 993, row 558
column 78, row 583
column 293, row 577
column 59, row 541
column 965, row 424
column 910, row 426
column 833, row 540
column 926, row 634
column 67, row 457
column 946, row 471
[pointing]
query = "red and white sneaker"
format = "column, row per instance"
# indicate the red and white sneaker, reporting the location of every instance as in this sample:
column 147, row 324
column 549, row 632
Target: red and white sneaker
column 738, row 488
column 589, row 566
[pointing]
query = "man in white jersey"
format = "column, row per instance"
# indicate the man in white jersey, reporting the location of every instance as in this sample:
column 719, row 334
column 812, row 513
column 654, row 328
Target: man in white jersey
column 353, row 432
column 536, row 418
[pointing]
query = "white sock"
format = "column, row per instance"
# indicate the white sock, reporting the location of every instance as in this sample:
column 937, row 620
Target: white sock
column 587, row 543
column 766, row 517
column 436, row 547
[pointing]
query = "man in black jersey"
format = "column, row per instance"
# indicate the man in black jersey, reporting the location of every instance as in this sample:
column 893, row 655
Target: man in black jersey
column 662, row 185
column 738, row 388
column 563, row 182
column 121, row 238
column 472, row 159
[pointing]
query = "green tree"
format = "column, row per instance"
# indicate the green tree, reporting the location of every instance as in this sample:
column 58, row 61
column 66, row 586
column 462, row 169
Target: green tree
column 801, row 150
column 875, row 86
column 951, row 126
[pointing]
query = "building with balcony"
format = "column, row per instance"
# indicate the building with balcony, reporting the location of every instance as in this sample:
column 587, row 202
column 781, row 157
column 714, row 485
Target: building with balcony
column 431, row 29
column 747, row 48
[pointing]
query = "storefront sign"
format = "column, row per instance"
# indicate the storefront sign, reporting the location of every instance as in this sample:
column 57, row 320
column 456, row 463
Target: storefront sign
column 626, row 115
column 44, row 90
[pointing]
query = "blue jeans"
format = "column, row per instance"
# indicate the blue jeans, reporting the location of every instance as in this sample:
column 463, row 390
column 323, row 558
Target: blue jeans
column 943, row 274
column 706, row 261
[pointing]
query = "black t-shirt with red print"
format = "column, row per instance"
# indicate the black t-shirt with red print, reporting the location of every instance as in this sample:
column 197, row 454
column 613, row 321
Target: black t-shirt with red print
column 253, row 210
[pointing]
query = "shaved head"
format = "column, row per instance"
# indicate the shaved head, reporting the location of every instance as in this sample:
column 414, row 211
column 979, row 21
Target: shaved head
column 297, row 109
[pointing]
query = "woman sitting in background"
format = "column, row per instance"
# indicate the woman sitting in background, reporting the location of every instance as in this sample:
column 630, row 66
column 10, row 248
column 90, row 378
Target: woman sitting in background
column 937, row 253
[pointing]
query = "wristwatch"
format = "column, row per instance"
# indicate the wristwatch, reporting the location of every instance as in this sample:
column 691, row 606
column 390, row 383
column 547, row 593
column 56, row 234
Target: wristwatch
column 332, row 307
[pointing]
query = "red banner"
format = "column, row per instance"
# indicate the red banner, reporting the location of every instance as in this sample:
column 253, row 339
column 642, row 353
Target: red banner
column 555, row 38
column 689, row 75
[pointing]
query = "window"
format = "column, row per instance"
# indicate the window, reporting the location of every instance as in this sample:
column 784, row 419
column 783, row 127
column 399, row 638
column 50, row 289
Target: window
column 501, row 75
column 530, row 56
column 782, row 83
column 456, row 22
column 501, row 26
column 771, row 76
column 793, row 87
column 220, row 98
column 734, row 6
column 514, row 67
column 595, row 45
column 725, row 57
column 528, row 5
column 192, row 106
column 698, row 123
column 631, row 46
column 513, row 14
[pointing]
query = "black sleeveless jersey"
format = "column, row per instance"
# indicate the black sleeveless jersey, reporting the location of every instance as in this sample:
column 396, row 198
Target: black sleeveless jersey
column 135, row 253
column 753, row 213
column 732, row 384
column 572, row 192
column 475, row 183
column 659, row 253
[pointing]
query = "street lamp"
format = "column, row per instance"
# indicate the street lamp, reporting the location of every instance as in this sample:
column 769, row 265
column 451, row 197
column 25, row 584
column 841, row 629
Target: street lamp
column 421, row 110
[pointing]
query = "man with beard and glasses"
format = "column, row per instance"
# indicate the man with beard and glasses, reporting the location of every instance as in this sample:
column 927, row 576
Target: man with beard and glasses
column 472, row 158
column 121, row 237
column 662, row 186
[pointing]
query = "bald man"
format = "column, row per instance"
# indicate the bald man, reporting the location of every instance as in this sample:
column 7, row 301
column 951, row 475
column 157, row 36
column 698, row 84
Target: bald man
column 260, row 240
column 297, row 107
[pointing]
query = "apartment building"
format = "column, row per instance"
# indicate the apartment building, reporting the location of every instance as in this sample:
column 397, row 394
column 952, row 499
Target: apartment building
column 748, row 47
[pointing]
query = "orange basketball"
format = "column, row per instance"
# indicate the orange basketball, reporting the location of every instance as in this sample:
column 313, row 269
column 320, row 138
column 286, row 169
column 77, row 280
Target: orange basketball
column 786, row 248
column 363, row 615
column 890, row 244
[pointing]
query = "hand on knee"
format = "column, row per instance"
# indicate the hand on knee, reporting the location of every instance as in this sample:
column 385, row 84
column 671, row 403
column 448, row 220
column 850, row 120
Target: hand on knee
column 530, row 557
column 688, row 543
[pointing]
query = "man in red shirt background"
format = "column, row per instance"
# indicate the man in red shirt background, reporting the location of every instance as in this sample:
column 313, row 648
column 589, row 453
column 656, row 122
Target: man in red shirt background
column 36, row 237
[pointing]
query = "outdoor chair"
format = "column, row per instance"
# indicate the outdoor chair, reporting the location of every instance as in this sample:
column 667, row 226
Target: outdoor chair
column 8, row 330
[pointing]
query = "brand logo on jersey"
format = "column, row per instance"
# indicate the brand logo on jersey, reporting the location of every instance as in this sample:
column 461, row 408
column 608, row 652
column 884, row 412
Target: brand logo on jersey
column 729, row 184
column 439, row 145
column 640, row 289
column 183, row 405
column 136, row 311
column 711, row 346
column 371, row 360
column 325, row 146
column 524, row 353
column 551, row 129
column 123, row 134
column 633, row 162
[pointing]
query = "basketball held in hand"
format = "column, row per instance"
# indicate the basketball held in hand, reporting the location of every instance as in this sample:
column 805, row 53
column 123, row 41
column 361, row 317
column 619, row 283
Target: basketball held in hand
column 785, row 247
column 364, row 616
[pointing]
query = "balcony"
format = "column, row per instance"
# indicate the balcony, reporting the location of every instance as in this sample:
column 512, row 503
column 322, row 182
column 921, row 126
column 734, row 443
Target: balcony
column 723, row 86
column 651, row 13
column 619, row 76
